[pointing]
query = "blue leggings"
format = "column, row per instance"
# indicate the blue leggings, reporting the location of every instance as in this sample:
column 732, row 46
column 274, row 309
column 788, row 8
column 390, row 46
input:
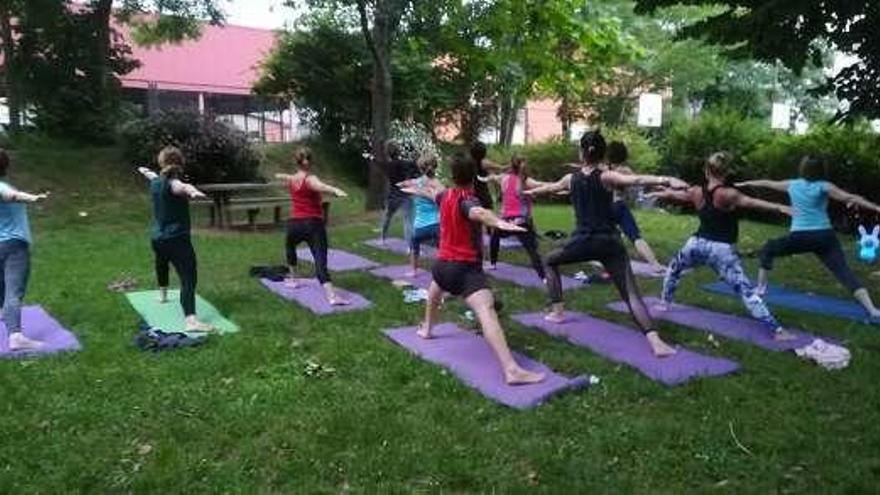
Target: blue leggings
column 724, row 259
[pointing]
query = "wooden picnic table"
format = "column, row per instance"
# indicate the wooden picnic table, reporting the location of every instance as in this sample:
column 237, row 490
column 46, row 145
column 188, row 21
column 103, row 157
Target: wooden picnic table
column 221, row 196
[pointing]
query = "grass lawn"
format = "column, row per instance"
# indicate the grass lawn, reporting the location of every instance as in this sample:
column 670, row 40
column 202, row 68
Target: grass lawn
column 241, row 415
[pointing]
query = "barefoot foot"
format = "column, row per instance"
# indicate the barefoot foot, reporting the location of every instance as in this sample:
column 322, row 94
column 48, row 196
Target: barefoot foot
column 337, row 300
column 518, row 376
column 193, row 325
column 661, row 349
column 761, row 290
column 555, row 317
column 291, row 283
column 18, row 342
column 661, row 306
column 424, row 332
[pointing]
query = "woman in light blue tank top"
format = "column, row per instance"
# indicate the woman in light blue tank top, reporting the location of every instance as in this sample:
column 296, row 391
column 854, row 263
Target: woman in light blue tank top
column 426, row 218
column 811, row 229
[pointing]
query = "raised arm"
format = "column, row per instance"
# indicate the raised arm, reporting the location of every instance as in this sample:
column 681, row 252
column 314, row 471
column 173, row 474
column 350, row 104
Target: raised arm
column 773, row 185
column 616, row 179
column 849, row 198
column 745, row 201
column 316, row 184
column 562, row 184
column 180, row 188
column 149, row 174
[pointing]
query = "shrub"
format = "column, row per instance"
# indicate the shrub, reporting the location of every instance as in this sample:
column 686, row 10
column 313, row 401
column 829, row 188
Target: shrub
column 547, row 161
column 689, row 143
column 215, row 152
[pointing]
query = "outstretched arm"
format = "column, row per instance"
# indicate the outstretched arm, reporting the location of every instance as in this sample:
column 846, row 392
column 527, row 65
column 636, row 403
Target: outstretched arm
column 616, row 179
column 676, row 195
column 316, row 185
column 531, row 183
column 489, row 219
column 284, row 177
column 490, row 165
column 773, row 185
column 562, row 184
column 149, row 174
column 10, row 195
column 849, row 198
column 741, row 200
column 180, row 188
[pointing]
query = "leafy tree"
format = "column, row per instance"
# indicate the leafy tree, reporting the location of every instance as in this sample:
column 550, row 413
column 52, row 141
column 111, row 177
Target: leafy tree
column 797, row 33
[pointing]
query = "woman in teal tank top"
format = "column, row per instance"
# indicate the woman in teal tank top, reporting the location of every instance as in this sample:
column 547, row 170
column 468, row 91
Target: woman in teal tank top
column 811, row 230
column 426, row 218
column 170, row 233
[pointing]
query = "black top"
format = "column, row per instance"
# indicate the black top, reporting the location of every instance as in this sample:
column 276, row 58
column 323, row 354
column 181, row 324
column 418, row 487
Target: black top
column 716, row 224
column 592, row 203
column 399, row 171
column 481, row 186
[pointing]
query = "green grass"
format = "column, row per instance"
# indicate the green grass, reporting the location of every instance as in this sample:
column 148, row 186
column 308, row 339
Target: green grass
column 241, row 415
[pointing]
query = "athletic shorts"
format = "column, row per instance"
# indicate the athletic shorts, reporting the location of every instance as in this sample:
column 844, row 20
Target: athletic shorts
column 459, row 278
column 625, row 220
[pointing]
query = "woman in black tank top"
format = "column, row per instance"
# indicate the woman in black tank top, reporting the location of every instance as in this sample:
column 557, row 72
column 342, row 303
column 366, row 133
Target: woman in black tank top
column 596, row 237
column 714, row 242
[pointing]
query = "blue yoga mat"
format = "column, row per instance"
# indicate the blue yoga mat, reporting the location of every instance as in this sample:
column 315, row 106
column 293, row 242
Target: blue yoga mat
column 811, row 303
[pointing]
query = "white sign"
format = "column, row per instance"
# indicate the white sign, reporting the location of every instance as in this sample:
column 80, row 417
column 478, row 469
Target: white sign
column 781, row 117
column 650, row 110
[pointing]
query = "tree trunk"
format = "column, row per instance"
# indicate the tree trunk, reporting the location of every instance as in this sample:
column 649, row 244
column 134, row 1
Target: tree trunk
column 99, row 72
column 379, row 40
column 565, row 118
column 10, row 76
column 508, row 120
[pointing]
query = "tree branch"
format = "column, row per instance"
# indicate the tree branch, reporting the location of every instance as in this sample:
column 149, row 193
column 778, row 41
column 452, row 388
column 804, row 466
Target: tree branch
column 365, row 29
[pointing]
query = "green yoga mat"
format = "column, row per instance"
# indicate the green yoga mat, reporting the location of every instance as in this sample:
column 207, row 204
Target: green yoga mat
column 169, row 316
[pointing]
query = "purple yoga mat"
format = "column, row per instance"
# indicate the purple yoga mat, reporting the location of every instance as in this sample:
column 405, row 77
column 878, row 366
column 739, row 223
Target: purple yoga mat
column 730, row 326
column 471, row 359
column 526, row 277
column 339, row 260
column 39, row 325
column 310, row 294
column 400, row 272
column 399, row 246
column 509, row 242
column 624, row 345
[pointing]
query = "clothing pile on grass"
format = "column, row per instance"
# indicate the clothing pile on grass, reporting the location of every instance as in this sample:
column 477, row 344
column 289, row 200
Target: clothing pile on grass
column 155, row 340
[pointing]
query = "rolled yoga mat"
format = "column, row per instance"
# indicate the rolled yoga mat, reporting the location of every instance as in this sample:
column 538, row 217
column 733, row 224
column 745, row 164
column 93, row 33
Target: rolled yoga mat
column 37, row 324
column 733, row 327
column 525, row 276
column 400, row 272
column 470, row 358
column 624, row 345
column 310, row 295
column 169, row 316
column 338, row 260
column 812, row 303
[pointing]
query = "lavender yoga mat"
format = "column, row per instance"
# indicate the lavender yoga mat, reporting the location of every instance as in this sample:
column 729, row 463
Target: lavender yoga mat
column 624, row 345
column 469, row 358
column 339, row 260
column 399, row 246
column 400, row 272
column 310, row 294
column 39, row 325
column 730, row 326
column 526, row 277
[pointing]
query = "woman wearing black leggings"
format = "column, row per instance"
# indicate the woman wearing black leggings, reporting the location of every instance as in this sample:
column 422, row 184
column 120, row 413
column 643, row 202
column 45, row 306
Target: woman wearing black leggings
column 171, row 232
column 596, row 237
column 811, row 230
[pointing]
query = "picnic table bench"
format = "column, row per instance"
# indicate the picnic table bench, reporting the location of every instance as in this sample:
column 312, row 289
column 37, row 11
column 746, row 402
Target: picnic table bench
column 226, row 199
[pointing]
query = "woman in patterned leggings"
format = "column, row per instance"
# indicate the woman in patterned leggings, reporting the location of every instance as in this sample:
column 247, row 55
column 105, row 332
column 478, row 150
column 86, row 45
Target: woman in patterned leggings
column 714, row 243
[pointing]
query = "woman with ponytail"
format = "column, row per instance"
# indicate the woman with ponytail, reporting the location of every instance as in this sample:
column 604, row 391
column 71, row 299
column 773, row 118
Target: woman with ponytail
column 171, row 240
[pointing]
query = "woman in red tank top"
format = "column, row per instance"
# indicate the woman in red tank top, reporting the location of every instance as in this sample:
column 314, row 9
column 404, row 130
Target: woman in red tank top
column 459, row 266
column 307, row 221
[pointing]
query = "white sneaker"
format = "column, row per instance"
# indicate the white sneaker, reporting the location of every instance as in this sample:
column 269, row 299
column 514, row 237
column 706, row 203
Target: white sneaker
column 18, row 342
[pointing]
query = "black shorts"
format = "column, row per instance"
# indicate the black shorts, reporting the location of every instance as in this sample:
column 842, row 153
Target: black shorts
column 459, row 278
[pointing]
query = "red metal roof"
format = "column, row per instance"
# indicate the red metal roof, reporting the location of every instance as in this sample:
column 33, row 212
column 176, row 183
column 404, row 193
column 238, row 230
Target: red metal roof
column 224, row 60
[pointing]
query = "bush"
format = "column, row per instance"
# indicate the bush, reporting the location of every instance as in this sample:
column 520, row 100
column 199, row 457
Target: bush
column 215, row 152
column 689, row 143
